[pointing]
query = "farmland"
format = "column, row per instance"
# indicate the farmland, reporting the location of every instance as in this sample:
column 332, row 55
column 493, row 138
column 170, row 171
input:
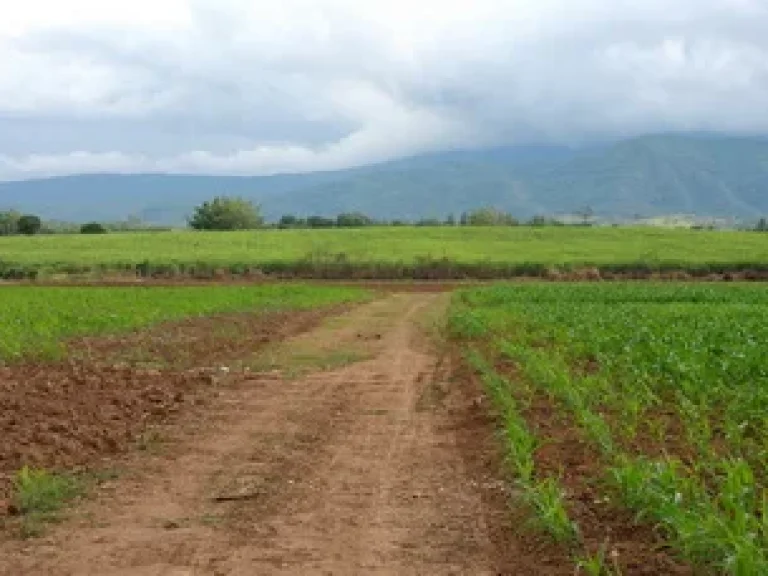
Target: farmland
column 648, row 398
column 35, row 320
column 394, row 252
column 619, row 426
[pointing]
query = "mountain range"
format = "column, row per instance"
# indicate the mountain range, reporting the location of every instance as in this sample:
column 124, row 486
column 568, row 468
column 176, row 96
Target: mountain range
column 703, row 175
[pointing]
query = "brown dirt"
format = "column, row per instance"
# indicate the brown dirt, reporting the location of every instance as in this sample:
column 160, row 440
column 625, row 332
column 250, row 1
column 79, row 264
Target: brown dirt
column 384, row 466
column 68, row 414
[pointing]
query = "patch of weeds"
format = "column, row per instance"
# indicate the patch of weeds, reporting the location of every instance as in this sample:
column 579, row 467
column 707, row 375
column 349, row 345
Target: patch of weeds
column 39, row 495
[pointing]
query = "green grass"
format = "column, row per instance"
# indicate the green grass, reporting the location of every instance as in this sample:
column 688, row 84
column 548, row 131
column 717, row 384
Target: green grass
column 668, row 382
column 39, row 495
column 36, row 320
column 386, row 252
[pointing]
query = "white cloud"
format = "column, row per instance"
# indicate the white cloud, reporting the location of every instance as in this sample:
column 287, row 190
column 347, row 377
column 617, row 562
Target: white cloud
column 238, row 86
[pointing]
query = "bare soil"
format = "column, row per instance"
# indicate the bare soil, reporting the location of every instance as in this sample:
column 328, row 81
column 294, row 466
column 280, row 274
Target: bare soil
column 383, row 466
column 96, row 403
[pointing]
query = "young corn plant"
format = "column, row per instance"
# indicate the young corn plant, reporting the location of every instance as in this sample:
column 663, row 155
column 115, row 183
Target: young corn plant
column 547, row 499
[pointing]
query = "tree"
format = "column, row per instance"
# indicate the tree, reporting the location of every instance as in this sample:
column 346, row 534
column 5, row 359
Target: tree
column 227, row 213
column 29, row 224
column 93, row 228
column 490, row 217
column 9, row 223
column 353, row 220
column 290, row 221
column 320, row 222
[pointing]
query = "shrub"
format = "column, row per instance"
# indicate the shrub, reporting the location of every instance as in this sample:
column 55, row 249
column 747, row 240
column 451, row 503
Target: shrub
column 227, row 213
column 29, row 224
column 93, row 228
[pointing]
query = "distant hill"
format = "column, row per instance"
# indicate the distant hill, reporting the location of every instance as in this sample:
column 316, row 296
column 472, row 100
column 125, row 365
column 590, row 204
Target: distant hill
column 648, row 176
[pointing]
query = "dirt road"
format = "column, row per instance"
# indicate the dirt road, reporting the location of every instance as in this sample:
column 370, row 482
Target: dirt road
column 377, row 466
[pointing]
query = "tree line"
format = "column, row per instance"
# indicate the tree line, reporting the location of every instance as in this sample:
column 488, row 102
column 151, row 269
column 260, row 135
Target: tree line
column 234, row 213
column 225, row 213
column 14, row 223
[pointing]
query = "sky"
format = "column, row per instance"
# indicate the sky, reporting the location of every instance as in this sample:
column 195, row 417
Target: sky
column 256, row 87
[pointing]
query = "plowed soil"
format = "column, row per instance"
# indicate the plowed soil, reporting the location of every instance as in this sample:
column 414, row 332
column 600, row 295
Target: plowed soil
column 64, row 415
column 382, row 466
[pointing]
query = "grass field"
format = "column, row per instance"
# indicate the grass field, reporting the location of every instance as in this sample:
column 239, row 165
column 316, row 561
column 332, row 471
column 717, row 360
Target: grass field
column 387, row 252
column 666, row 385
column 35, row 320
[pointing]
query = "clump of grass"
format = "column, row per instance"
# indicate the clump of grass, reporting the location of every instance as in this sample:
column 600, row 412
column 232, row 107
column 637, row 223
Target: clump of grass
column 36, row 490
column 39, row 495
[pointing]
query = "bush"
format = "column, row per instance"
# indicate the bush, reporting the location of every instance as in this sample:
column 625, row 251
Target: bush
column 93, row 228
column 29, row 224
column 353, row 220
column 227, row 213
column 488, row 217
column 9, row 222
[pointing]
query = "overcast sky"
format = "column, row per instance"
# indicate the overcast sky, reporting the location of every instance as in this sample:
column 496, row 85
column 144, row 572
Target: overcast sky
column 256, row 86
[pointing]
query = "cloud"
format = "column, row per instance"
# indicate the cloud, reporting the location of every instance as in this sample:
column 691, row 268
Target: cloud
column 234, row 86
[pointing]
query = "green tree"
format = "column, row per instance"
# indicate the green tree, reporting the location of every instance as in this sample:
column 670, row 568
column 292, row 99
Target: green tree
column 93, row 228
column 490, row 217
column 290, row 221
column 9, row 222
column 320, row 222
column 353, row 220
column 29, row 224
column 227, row 213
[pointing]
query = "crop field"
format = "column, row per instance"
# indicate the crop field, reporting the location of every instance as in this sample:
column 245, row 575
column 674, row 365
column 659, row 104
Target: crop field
column 596, row 428
column 640, row 405
column 394, row 252
column 35, row 320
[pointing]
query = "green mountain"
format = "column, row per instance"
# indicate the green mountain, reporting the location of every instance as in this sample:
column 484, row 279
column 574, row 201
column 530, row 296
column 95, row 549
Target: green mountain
column 706, row 175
